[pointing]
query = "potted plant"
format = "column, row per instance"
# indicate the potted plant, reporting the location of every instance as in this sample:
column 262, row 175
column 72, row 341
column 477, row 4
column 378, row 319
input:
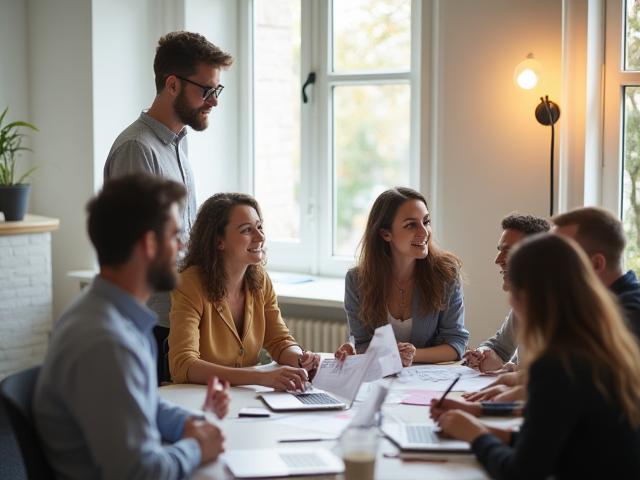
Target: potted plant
column 14, row 192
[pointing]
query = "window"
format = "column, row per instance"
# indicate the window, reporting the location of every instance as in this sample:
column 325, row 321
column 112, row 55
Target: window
column 621, row 178
column 317, row 166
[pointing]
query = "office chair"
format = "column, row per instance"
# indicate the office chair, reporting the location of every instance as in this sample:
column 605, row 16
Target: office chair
column 16, row 392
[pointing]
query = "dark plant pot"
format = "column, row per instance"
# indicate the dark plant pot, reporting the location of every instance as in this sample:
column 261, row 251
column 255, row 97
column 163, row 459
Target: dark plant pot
column 14, row 200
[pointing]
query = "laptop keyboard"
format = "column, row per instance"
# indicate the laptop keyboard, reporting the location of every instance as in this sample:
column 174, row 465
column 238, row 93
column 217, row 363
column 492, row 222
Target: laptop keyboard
column 304, row 460
column 420, row 434
column 317, row 399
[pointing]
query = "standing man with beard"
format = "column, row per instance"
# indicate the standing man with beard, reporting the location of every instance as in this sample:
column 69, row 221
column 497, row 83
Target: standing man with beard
column 96, row 404
column 187, row 76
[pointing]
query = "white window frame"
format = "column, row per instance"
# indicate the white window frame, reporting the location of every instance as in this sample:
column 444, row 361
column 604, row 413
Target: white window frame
column 314, row 252
column 616, row 78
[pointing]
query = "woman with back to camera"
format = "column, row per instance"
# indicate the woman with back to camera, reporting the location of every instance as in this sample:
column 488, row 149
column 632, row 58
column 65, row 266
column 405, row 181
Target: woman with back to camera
column 582, row 364
column 402, row 278
column 225, row 309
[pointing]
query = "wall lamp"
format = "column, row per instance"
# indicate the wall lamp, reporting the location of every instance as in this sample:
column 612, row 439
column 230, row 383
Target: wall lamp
column 526, row 76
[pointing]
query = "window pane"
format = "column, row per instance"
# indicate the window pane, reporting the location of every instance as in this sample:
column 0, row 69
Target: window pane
column 371, row 134
column 632, row 35
column 277, row 115
column 371, row 35
column 631, row 175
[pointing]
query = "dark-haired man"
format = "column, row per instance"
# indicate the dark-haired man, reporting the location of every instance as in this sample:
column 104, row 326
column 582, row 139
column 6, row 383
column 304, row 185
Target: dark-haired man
column 494, row 353
column 96, row 403
column 187, row 76
column 601, row 236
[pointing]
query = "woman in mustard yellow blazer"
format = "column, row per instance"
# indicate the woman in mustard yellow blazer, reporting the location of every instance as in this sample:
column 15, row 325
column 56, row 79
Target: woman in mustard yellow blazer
column 225, row 309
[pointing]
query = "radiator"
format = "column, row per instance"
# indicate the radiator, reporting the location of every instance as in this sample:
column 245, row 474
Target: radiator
column 318, row 335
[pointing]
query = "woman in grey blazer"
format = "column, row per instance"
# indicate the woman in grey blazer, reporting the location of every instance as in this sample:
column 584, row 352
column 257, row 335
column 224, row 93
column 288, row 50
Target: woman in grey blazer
column 404, row 279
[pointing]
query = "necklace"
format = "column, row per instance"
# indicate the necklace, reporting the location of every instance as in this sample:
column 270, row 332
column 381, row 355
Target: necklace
column 403, row 292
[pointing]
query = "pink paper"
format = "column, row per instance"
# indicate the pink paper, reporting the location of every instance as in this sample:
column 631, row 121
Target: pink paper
column 420, row 397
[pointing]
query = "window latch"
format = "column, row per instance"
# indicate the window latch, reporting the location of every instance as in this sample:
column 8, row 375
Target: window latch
column 311, row 79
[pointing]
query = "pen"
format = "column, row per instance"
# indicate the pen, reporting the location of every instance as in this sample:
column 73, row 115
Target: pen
column 455, row 380
column 292, row 440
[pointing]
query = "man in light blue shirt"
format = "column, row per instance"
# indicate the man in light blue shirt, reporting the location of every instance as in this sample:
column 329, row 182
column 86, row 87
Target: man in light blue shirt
column 96, row 404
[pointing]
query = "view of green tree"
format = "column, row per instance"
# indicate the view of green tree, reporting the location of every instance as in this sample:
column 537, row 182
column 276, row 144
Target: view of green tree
column 371, row 125
column 371, row 35
column 631, row 182
column 371, row 122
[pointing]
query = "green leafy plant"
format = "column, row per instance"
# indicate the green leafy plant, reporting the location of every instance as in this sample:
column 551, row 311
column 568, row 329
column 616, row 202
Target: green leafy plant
column 11, row 138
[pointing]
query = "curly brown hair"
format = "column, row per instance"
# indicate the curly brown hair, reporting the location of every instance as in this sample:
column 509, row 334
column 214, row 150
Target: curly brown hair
column 203, row 252
column 180, row 53
column 434, row 274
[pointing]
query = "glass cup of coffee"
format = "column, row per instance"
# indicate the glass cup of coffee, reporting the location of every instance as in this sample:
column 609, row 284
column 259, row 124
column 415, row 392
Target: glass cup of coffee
column 359, row 446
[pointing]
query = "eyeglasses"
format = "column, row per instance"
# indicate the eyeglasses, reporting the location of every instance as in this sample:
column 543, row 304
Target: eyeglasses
column 207, row 91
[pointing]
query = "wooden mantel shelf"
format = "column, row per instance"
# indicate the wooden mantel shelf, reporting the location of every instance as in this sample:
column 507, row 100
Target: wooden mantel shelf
column 30, row 224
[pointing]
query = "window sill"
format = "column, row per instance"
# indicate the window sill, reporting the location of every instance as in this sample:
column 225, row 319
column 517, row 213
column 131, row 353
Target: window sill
column 291, row 288
column 308, row 290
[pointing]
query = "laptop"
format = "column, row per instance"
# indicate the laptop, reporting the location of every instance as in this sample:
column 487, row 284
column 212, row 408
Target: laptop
column 420, row 437
column 342, row 379
column 281, row 462
column 313, row 399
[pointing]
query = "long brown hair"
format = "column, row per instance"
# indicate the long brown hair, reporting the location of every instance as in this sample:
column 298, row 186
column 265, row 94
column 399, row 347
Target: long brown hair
column 202, row 251
column 433, row 275
column 570, row 314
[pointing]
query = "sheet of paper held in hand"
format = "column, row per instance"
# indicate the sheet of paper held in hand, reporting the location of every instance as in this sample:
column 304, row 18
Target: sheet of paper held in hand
column 437, row 378
column 342, row 378
column 381, row 359
column 384, row 348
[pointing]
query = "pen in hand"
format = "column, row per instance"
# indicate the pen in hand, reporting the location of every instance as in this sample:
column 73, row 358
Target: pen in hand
column 455, row 380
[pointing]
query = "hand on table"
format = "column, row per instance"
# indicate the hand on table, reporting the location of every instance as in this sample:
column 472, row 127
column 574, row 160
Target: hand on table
column 461, row 425
column 472, row 358
column 511, row 394
column 435, row 411
column 209, row 438
column 486, row 394
column 407, row 352
column 286, row 378
column 216, row 398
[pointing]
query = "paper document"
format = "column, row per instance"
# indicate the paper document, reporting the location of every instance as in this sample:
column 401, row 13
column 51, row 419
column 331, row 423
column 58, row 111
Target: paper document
column 420, row 397
column 342, row 378
column 384, row 348
column 438, row 378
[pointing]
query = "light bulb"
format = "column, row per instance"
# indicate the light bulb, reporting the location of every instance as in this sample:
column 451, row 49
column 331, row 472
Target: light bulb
column 527, row 79
column 528, row 73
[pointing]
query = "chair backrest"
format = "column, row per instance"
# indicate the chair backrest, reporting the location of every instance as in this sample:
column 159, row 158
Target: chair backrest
column 16, row 392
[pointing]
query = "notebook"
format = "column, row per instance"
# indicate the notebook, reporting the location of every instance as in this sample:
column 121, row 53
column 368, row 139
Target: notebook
column 281, row 462
column 420, row 437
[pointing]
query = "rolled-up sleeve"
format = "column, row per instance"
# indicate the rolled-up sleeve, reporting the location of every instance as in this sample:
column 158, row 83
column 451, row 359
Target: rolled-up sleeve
column 451, row 329
column 122, row 436
column 187, row 306
column 276, row 333
column 505, row 341
column 360, row 333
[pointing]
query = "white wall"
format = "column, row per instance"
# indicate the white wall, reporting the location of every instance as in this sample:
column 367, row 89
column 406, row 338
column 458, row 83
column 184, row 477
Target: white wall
column 59, row 65
column 213, row 153
column 492, row 156
column 124, row 35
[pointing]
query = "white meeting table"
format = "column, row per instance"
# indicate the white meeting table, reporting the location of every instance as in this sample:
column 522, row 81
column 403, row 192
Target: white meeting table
column 243, row 433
